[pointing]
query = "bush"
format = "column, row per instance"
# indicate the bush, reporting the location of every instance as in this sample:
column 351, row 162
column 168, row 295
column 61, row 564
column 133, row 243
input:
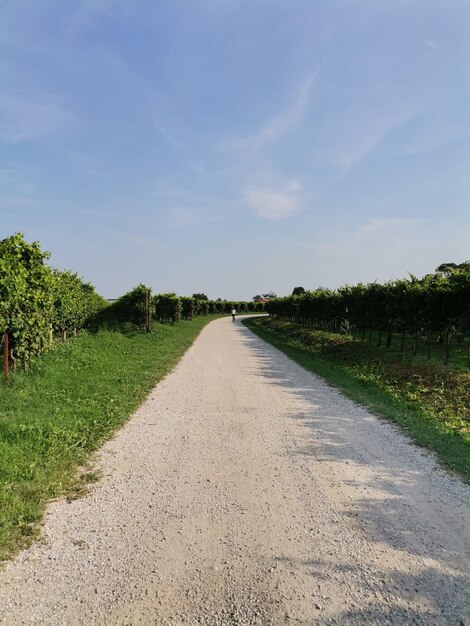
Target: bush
column 188, row 308
column 131, row 308
column 167, row 307
column 35, row 300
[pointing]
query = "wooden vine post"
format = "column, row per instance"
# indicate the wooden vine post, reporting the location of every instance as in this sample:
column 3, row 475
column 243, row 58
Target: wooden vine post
column 148, row 311
column 5, row 355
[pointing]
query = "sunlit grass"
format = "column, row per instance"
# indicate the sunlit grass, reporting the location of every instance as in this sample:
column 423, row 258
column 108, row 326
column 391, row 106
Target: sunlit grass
column 65, row 407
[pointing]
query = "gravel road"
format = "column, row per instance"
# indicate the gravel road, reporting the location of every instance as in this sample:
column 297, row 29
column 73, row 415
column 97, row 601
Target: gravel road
column 247, row 491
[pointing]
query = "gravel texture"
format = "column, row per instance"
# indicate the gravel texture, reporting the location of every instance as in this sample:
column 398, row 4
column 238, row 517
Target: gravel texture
column 247, row 491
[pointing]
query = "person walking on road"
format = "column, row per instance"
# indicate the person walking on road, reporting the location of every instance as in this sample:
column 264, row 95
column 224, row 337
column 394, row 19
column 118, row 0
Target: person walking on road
column 234, row 312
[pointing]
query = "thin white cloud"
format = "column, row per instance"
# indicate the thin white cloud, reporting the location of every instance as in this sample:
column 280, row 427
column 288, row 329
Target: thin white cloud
column 431, row 44
column 379, row 226
column 186, row 216
column 28, row 118
column 166, row 133
column 436, row 135
column 360, row 133
column 278, row 126
column 274, row 204
column 164, row 189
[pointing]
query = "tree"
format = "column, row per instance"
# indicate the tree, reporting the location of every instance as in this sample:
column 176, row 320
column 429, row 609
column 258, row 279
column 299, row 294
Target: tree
column 298, row 291
column 447, row 269
column 200, row 296
column 264, row 296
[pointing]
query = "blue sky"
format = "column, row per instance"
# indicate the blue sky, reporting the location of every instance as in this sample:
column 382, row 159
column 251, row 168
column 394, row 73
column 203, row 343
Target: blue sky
column 236, row 147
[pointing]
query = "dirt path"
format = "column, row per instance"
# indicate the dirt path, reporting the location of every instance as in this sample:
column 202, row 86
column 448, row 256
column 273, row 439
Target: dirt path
column 246, row 491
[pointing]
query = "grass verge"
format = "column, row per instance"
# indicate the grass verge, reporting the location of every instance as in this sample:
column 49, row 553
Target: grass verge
column 65, row 407
column 431, row 403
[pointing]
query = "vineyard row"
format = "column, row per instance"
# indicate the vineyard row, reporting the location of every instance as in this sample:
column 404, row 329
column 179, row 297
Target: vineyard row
column 38, row 303
column 430, row 309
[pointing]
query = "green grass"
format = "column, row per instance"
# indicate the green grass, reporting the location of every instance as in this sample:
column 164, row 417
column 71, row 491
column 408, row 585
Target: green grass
column 54, row 416
column 458, row 353
column 430, row 401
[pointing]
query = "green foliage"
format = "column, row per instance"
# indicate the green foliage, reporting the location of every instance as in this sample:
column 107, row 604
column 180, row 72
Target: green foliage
column 188, row 308
column 449, row 268
column 216, row 306
column 75, row 302
column 37, row 301
column 130, row 309
column 434, row 307
column 25, row 296
column 34, row 299
column 202, row 307
column 167, row 307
